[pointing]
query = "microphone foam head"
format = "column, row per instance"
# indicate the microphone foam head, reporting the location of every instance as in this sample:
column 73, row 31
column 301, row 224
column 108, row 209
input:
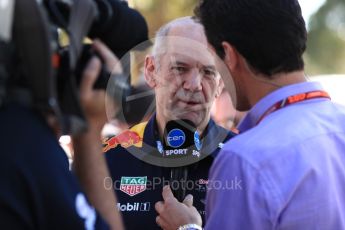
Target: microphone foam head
column 179, row 134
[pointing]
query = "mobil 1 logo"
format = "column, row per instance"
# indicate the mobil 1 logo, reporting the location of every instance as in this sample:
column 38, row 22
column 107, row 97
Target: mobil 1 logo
column 134, row 207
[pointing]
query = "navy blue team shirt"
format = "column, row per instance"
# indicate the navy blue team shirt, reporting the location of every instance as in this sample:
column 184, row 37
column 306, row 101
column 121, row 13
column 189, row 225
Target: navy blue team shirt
column 37, row 189
column 138, row 183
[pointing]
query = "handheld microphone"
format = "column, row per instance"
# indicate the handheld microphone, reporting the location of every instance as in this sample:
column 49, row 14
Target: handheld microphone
column 178, row 143
column 178, row 182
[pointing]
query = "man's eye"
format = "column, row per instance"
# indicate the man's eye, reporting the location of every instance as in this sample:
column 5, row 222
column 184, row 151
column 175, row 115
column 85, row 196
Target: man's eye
column 209, row 72
column 179, row 69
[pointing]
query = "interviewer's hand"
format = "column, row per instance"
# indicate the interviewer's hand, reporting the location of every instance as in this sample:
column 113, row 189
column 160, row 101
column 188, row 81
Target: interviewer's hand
column 173, row 214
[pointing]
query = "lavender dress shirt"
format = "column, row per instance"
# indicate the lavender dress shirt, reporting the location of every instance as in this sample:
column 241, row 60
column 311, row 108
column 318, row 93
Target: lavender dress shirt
column 287, row 172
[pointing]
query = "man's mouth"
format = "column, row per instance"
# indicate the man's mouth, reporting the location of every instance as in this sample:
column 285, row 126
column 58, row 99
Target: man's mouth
column 190, row 103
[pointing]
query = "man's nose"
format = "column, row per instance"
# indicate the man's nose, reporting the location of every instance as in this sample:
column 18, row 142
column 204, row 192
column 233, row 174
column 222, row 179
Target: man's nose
column 192, row 81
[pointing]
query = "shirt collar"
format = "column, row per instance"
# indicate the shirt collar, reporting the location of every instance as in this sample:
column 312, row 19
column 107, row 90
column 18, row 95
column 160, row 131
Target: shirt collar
column 151, row 131
column 252, row 117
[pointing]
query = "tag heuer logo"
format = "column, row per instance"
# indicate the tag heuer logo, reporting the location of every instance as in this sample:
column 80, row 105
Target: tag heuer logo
column 133, row 185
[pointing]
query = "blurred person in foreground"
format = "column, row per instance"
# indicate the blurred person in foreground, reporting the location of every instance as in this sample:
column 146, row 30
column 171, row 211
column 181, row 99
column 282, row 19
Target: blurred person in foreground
column 289, row 156
column 38, row 189
column 183, row 75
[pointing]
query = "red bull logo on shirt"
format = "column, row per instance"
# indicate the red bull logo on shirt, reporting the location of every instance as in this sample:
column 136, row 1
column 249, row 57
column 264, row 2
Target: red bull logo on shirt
column 133, row 185
column 125, row 139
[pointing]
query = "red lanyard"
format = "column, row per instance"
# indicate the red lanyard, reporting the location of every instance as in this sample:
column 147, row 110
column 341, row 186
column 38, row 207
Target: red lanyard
column 293, row 100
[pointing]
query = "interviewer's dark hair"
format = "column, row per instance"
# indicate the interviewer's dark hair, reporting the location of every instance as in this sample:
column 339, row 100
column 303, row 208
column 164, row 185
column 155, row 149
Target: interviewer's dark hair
column 269, row 34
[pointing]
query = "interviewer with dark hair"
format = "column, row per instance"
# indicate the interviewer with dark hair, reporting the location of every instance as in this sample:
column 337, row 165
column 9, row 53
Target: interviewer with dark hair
column 288, row 160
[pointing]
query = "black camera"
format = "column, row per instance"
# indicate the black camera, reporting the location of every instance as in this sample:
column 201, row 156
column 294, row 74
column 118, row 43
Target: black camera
column 86, row 54
column 118, row 26
column 46, row 76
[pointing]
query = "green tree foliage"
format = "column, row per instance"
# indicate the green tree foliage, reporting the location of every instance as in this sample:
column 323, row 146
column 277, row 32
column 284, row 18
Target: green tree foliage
column 326, row 40
column 159, row 12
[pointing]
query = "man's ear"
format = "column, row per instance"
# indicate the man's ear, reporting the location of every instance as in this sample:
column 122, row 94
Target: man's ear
column 150, row 71
column 231, row 57
column 220, row 87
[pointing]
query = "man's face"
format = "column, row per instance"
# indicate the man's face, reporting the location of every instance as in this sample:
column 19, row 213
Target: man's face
column 186, row 83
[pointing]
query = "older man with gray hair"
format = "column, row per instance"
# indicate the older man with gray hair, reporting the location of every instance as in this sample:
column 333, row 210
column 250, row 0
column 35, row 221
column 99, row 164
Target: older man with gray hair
column 183, row 75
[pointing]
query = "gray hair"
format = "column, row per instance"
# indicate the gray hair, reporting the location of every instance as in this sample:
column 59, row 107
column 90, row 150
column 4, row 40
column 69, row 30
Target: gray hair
column 159, row 46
